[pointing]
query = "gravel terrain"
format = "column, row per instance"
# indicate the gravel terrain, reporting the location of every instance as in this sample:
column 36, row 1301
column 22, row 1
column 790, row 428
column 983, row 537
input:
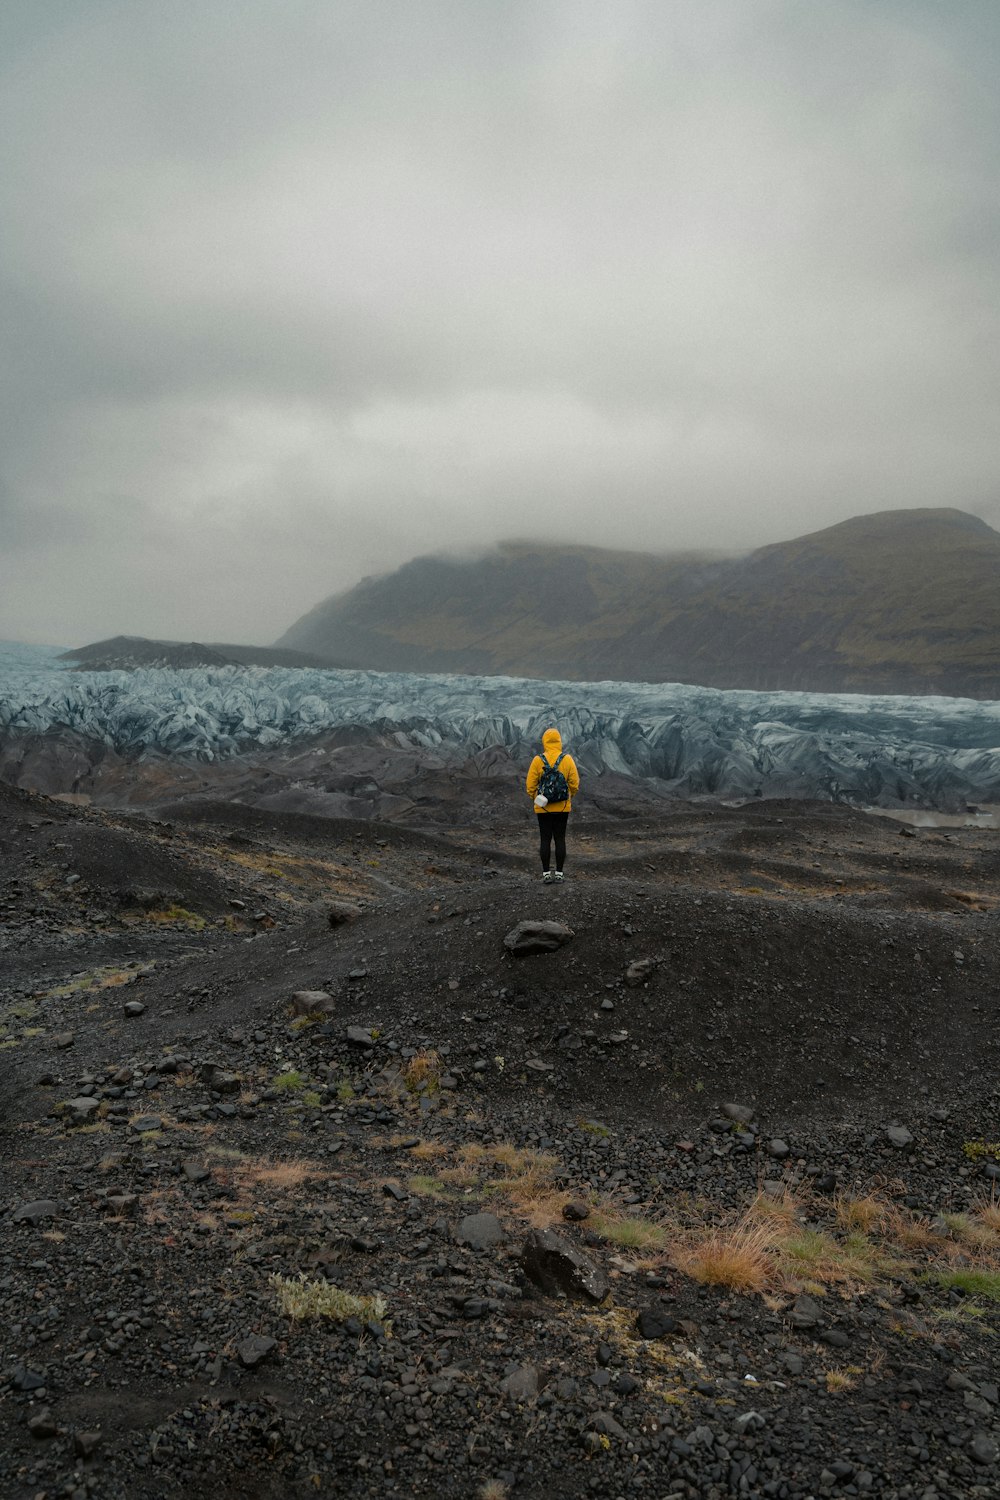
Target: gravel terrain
column 313, row 1184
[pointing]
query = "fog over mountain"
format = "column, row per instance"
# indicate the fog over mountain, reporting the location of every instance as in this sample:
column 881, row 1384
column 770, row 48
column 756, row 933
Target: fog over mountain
column 294, row 293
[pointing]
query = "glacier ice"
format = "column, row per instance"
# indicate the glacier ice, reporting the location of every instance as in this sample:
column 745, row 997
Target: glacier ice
column 883, row 751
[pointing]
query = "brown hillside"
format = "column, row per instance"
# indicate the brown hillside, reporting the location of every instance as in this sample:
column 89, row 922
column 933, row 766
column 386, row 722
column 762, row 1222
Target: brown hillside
column 899, row 601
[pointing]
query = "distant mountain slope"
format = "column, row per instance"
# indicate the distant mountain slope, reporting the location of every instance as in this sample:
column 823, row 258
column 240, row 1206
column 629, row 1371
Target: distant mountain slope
column 123, row 653
column 899, row 601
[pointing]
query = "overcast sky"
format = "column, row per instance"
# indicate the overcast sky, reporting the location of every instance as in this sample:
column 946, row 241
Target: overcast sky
column 293, row 290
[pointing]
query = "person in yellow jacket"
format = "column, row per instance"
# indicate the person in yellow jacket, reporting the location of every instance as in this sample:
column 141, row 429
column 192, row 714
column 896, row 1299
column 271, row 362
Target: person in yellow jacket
column 553, row 813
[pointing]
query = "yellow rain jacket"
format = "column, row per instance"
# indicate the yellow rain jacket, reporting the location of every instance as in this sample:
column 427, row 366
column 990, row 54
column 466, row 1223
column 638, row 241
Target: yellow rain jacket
column 552, row 745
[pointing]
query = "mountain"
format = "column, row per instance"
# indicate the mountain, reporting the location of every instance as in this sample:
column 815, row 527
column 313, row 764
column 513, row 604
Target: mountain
column 903, row 601
column 125, row 653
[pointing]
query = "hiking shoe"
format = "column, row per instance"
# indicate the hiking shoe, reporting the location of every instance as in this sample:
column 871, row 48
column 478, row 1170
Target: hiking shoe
column 559, row 875
column 547, row 876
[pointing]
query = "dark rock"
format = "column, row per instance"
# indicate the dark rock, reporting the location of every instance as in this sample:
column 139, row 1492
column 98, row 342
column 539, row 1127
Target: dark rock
column 144, row 1123
column 555, row 1265
column 480, row 1232
column 394, row 1191
column 576, row 1211
column 359, row 1037
column 537, row 937
column 835, row 1337
column 64, row 1039
column 900, row 1137
column 639, row 971
column 778, row 1149
column 604, row 1423
column 134, row 1008
column 86, row 1444
column 194, row 1173
column 254, row 1349
column 654, row 1323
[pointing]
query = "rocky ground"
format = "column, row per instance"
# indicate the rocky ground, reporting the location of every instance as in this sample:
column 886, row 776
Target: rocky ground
column 699, row 1202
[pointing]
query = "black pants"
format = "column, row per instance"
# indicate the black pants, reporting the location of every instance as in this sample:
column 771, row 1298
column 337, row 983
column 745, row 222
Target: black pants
column 552, row 826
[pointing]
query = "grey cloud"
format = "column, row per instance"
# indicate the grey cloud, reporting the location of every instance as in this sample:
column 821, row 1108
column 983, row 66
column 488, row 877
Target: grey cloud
column 295, row 290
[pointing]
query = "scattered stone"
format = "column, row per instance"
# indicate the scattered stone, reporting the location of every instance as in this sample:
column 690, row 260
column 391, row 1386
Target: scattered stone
column 42, row 1424
column 64, row 1039
column 145, row 1123
column 359, row 1037
column 576, row 1211
column 778, row 1149
column 537, row 937
column 312, row 1003
column 521, row 1384
column 254, row 1349
column 78, row 1111
column 341, row 913
column 805, row 1312
column 741, row 1113
column 480, row 1232
column 984, row 1449
column 604, row 1423
column 86, row 1444
column 555, row 1265
column 134, row 1008
column 195, row 1173
column 639, row 971
column 35, row 1212
column 900, row 1137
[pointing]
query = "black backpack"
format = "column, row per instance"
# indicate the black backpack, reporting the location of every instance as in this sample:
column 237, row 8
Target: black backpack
column 553, row 784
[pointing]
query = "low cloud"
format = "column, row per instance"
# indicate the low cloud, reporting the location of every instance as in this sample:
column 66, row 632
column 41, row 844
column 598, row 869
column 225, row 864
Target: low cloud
column 295, row 292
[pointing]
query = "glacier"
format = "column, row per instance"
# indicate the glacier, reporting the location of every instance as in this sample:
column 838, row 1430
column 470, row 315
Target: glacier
column 926, row 752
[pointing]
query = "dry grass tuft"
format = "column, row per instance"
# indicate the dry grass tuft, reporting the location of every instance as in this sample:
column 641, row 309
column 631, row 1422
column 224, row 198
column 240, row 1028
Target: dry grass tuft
column 422, row 1072
column 783, row 1211
column 841, row 1380
column 738, row 1258
column 862, row 1213
column 278, row 1174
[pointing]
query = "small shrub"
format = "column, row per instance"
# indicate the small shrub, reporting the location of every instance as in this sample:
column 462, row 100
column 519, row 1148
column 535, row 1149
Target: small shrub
column 300, row 1298
column 982, row 1150
column 422, row 1073
column 630, row 1232
column 345, row 1091
column 427, row 1187
column 291, row 1082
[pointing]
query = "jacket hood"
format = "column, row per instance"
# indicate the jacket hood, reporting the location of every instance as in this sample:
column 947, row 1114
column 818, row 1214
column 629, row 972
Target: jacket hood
column 552, row 742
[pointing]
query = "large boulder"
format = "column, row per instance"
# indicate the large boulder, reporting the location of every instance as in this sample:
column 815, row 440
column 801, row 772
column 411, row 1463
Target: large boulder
column 537, row 937
column 555, row 1265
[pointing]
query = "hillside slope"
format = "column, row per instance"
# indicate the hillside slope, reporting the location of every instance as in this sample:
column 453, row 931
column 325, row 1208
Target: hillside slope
column 898, row 601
